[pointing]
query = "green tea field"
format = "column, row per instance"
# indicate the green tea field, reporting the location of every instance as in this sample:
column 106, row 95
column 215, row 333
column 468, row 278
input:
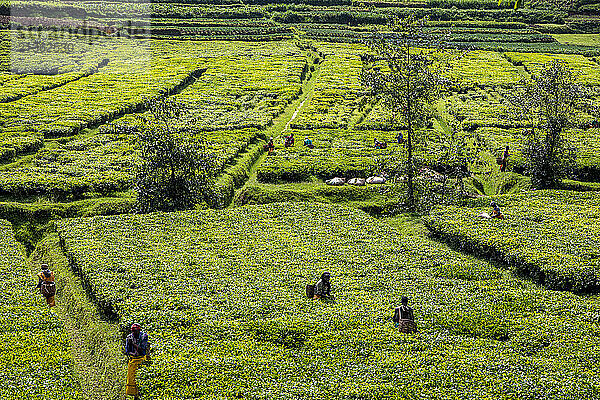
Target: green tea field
column 104, row 104
column 222, row 294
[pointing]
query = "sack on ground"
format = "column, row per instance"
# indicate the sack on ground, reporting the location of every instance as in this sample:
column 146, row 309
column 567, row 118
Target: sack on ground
column 310, row 291
column 48, row 289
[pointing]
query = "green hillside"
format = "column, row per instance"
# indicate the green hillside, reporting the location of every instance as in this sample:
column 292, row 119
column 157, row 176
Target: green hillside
column 222, row 294
column 506, row 309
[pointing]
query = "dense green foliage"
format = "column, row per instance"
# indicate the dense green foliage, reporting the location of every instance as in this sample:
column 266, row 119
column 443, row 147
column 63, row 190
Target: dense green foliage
column 35, row 350
column 222, row 296
column 222, row 292
column 229, row 101
column 174, row 169
column 83, row 146
column 546, row 235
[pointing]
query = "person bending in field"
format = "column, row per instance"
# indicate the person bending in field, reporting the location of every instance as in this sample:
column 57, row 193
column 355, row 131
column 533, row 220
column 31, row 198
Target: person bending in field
column 496, row 213
column 270, row 146
column 504, row 160
column 308, row 143
column 380, row 145
column 289, row 140
column 323, row 287
column 46, row 284
column 136, row 348
column 404, row 318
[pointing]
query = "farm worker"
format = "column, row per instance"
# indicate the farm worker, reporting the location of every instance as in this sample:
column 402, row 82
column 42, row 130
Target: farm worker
column 46, row 284
column 136, row 347
column 380, row 145
column 496, row 213
column 270, row 146
column 323, row 287
column 400, row 138
column 504, row 160
column 308, row 143
column 404, row 319
column 289, row 140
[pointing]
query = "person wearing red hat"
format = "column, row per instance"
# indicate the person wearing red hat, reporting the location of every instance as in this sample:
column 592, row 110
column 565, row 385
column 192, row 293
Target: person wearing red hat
column 136, row 347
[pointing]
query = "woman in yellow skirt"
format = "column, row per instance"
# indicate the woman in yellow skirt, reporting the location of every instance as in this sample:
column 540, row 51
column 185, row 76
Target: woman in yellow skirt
column 136, row 347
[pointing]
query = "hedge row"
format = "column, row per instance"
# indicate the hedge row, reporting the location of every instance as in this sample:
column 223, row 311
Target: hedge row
column 233, row 177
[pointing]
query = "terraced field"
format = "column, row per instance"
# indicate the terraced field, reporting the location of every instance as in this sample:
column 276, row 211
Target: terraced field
column 83, row 146
column 508, row 311
column 222, row 295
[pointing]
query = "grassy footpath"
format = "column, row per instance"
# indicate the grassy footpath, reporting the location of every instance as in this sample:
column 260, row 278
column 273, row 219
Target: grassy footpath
column 222, row 295
column 99, row 364
column 244, row 166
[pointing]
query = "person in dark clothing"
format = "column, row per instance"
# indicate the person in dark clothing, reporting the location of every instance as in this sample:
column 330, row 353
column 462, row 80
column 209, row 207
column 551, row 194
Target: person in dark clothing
column 136, row 347
column 404, row 318
column 496, row 213
column 400, row 138
column 289, row 140
column 504, row 160
column 323, row 287
column 270, row 146
column 136, row 344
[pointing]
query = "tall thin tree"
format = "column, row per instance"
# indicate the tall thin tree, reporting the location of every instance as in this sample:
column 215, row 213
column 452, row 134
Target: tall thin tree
column 400, row 72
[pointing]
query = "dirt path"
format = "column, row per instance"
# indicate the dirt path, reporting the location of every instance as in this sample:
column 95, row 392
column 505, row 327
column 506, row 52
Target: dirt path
column 281, row 124
column 287, row 126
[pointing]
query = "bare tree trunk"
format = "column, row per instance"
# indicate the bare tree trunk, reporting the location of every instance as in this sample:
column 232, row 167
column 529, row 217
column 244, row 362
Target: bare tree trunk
column 410, row 172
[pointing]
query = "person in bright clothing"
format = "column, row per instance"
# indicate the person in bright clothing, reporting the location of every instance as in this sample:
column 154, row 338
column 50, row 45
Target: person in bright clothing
column 46, row 284
column 136, row 348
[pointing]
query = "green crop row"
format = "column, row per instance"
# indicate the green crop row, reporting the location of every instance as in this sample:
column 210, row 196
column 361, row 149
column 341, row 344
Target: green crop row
column 221, row 295
column 337, row 91
column 230, row 102
column 527, row 239
column 99, row 164
column 32, row 84
column 587, row 71
column 122, row 86
column 337, row 153
column 235, row 176
column 35, row 350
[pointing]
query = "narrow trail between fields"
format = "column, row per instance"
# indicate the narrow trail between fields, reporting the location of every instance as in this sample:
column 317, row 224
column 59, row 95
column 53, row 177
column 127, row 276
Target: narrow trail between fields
column 287, row 126
column 94, row 342
column 282, row 123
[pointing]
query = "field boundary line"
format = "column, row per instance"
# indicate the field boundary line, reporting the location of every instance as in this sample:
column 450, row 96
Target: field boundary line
column 93, row 71
column 95, row 343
